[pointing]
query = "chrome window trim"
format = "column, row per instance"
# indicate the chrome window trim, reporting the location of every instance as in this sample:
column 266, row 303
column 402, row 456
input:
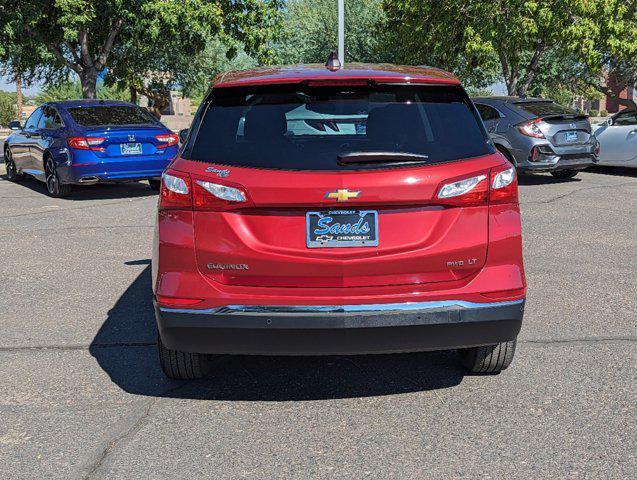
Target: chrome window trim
column 361, row 309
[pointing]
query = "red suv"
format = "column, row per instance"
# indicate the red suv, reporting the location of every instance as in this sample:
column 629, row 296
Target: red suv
column 318, row 211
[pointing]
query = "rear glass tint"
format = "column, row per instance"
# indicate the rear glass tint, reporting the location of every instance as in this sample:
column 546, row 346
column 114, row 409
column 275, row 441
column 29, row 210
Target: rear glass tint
column 298, row 127
column 541, row 109
column 111, row 115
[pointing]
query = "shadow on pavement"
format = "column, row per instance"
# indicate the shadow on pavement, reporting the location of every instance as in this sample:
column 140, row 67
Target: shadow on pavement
column 618, row 171
column 125, row 348
column 543, row 179
column 102, row 191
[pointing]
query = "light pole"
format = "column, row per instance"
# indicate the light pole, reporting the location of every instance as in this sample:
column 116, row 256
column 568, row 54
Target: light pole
column 341, row 32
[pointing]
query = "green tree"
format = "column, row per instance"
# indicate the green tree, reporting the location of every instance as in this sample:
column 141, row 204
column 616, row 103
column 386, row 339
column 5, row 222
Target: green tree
column 480, row 38
column 518, row 40
column 153, row 67
column 602, row 36
column 87, row 37
column 310, row 31
column 7, row 108
column 71, row 90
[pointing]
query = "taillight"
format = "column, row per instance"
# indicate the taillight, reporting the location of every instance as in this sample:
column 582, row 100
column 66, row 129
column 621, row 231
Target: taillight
column 500, row 186
column 530, row 129
column 464, row 192
column 167, row 140
column 181, row 192
column 503, row 185
column 87, row 143
column 218, row 197
column 175, row 192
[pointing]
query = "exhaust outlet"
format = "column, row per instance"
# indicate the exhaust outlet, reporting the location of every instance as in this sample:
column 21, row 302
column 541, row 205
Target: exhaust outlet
column 89, row 180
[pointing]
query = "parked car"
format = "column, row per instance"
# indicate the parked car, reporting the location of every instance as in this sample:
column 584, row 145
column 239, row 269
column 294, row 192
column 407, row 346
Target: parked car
column 539, row 135
column 87, row 142
column 402, row 235
column 618, row 139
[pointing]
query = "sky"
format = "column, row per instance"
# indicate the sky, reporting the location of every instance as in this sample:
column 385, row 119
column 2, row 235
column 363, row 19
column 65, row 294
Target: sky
column 8, row 86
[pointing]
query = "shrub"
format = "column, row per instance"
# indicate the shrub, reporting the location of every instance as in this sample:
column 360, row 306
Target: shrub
column 593, row 113
column 603, row 113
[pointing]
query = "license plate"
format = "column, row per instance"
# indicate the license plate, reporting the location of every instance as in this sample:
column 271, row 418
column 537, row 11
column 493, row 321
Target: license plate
column 570, row 136
column 342, row 228
column 131, row 148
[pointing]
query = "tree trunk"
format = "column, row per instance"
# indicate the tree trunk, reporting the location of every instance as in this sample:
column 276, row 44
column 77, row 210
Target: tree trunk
column 133, row 95
column 18, row 97
column 88, row 79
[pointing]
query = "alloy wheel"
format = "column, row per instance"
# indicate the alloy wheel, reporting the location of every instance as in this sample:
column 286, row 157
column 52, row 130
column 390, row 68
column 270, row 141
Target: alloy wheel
column 9, row 164
column 51, row 177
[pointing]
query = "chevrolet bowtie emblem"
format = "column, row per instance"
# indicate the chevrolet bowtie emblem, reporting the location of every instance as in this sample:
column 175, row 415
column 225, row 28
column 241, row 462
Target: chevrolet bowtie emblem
column 342, row 195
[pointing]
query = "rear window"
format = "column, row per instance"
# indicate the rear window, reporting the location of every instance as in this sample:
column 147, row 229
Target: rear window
column 111, row 115
column 299, row 127
column 541, row 109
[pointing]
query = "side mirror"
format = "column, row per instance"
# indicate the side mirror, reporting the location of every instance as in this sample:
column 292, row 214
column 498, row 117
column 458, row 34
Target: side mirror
column 15, row 125
column 183, row 135
column 609, row 122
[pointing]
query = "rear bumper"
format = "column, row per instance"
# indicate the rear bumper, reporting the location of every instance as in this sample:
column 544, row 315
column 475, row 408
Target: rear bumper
column 113, row 171
column 339, row 330
column 553, row 158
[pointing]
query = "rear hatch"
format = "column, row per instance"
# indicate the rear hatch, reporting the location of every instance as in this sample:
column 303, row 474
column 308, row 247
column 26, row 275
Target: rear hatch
column 351, row 203
column 561, row 126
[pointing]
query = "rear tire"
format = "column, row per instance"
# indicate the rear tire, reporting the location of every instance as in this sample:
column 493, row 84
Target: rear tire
column 55, row 188
column 564, row 174
column 489, row 358
column 182, row 365
column 154, row 184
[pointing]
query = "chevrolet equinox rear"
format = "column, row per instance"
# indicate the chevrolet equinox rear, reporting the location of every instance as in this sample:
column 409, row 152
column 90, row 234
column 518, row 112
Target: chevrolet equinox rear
column 317, row 211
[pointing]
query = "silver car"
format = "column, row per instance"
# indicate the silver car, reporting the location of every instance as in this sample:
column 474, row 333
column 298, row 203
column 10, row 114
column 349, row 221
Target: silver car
column 618, row 139
column 539, row 135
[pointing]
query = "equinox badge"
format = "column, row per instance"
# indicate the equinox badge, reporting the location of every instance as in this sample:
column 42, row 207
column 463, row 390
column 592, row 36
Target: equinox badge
column 342, row 195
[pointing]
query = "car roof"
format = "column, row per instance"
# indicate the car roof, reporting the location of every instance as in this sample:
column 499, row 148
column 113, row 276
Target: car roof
column 290, row 74
column 509, row 99
column 89, row 103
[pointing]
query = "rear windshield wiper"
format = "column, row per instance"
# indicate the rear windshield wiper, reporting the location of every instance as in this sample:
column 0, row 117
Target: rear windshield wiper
column 381, row 157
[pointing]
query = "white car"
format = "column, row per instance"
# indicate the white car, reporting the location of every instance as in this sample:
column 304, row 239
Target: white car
column 618, row 140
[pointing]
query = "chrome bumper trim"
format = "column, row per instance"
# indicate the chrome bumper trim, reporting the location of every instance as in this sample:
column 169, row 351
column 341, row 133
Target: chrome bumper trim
column 362, row 309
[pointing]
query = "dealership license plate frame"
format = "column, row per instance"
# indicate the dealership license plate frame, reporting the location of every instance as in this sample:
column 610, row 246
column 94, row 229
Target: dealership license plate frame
column 134, row 148
column 328, row 241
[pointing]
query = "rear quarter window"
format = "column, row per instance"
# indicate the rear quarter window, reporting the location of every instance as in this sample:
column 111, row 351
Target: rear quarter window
column 298, row 127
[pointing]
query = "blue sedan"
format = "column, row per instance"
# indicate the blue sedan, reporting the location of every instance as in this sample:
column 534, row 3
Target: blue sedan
column 89, row 141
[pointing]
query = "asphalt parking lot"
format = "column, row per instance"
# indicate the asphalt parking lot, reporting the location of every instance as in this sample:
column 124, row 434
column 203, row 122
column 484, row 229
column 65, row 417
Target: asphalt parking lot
column 82, row 395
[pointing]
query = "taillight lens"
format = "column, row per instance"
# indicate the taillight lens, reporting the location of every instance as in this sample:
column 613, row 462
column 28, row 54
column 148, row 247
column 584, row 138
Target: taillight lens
column 504, row 185
column 181, row 192
column 87, row 143
column 167, row 140
column 218, row 197
column 499, row 186
column 175, row 192
column 464, row 192
column 530, row 129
